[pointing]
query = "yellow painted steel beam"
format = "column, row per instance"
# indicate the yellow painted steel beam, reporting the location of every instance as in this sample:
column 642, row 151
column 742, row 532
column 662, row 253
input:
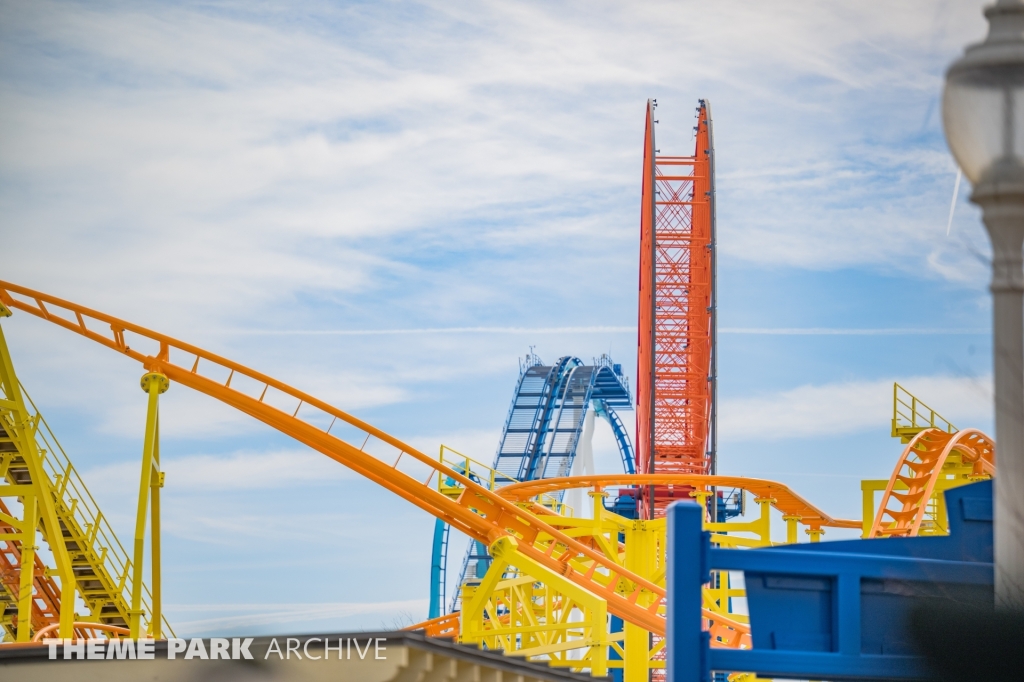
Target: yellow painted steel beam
column 643, row 551
column 101, row 567
column 153, row 384
column 24, row 428
column 28, row 562
column 593, row 608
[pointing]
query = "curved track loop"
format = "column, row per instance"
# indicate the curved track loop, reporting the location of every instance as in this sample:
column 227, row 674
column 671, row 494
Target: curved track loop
column 900, row 513
column 479, row 513
column 785, row 500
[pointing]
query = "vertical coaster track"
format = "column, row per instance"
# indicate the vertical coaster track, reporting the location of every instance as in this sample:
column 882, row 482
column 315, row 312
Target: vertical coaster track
column 675, row 354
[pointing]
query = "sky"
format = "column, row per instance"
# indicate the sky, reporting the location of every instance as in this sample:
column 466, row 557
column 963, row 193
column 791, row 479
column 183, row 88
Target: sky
column 388, row 204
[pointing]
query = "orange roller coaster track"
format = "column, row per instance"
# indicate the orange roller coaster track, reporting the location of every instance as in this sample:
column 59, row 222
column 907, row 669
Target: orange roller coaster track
column 675, row 354
column 478, row 512
column 784, row 499
column 905, row 502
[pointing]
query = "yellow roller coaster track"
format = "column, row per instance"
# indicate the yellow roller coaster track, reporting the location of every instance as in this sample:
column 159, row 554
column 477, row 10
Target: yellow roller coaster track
column 479, row 513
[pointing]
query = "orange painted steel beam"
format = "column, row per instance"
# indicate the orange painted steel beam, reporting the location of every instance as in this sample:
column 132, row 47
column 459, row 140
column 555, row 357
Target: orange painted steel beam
column 919, row 468
column 479, row 512
column 785, row 500
column 674, row 350
column 645, row 327
column 442, row 626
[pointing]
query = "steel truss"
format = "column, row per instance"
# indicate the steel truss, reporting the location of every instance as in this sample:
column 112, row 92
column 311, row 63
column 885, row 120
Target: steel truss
column 539, row 440
column 675, row 372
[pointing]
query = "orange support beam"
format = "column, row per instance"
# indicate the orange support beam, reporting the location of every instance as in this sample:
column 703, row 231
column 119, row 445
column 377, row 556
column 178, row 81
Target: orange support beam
column 782, row 497
column 675, row 382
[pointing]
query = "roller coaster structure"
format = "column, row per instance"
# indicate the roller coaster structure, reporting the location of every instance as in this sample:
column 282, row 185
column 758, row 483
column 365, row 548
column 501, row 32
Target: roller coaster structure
column 938, row 457
column 546, row 566
column 584, row 593
column 479, row 512
column 676, row 364
column 541, row 434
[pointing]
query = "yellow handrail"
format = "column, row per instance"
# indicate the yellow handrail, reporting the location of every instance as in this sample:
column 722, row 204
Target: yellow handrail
column 911, row 416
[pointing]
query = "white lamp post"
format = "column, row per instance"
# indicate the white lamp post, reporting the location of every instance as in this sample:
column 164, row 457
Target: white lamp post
column 983, row 114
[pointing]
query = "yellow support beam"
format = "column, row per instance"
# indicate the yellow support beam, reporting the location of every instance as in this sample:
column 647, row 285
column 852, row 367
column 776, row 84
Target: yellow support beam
column 28, row 562
column 636, row 545
column 21, row 427
column 594, row 610
column 645, row 555
column 153, row 384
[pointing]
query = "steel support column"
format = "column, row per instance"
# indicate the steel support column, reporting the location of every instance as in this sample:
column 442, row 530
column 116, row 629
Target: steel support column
column 149, row 487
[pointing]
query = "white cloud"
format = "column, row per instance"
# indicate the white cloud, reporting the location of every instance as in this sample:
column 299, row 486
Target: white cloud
column 187, row 414
column 478, row 444
column 253, row 154
column 237, row 471
column 848, row 407
column 850, row 331
column 195, row 170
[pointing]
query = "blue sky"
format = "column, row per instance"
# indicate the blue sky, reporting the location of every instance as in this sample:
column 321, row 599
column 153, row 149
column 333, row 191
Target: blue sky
column 256, row 178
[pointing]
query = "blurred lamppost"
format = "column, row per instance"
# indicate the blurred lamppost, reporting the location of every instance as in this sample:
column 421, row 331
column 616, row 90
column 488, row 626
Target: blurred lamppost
column 983, row 114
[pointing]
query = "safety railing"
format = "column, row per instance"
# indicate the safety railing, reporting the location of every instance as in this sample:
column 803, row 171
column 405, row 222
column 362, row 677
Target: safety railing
column 910, row 416
column 476, row 471
column 490, row 478
column 83, row 518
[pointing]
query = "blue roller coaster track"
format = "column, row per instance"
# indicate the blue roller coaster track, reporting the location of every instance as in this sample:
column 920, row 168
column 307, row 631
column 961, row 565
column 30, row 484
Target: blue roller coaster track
column 541, row 433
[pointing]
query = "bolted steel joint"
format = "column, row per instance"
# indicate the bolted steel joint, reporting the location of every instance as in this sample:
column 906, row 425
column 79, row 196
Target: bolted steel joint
column 161, row 384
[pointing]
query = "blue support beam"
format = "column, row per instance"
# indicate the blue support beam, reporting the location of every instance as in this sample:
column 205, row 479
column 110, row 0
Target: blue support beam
column 837, row 611
column 438, row 561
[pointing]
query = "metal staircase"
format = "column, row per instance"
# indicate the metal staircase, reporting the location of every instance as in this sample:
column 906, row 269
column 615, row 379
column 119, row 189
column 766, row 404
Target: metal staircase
column 99, row 563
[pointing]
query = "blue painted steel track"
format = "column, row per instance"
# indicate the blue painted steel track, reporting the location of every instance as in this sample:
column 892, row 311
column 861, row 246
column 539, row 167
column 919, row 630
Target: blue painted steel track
column 542, row 430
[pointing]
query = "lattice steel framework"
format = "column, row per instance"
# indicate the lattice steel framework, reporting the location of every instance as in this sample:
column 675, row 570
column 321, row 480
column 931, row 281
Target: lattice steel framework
column 675, row 374
column 542, row 431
